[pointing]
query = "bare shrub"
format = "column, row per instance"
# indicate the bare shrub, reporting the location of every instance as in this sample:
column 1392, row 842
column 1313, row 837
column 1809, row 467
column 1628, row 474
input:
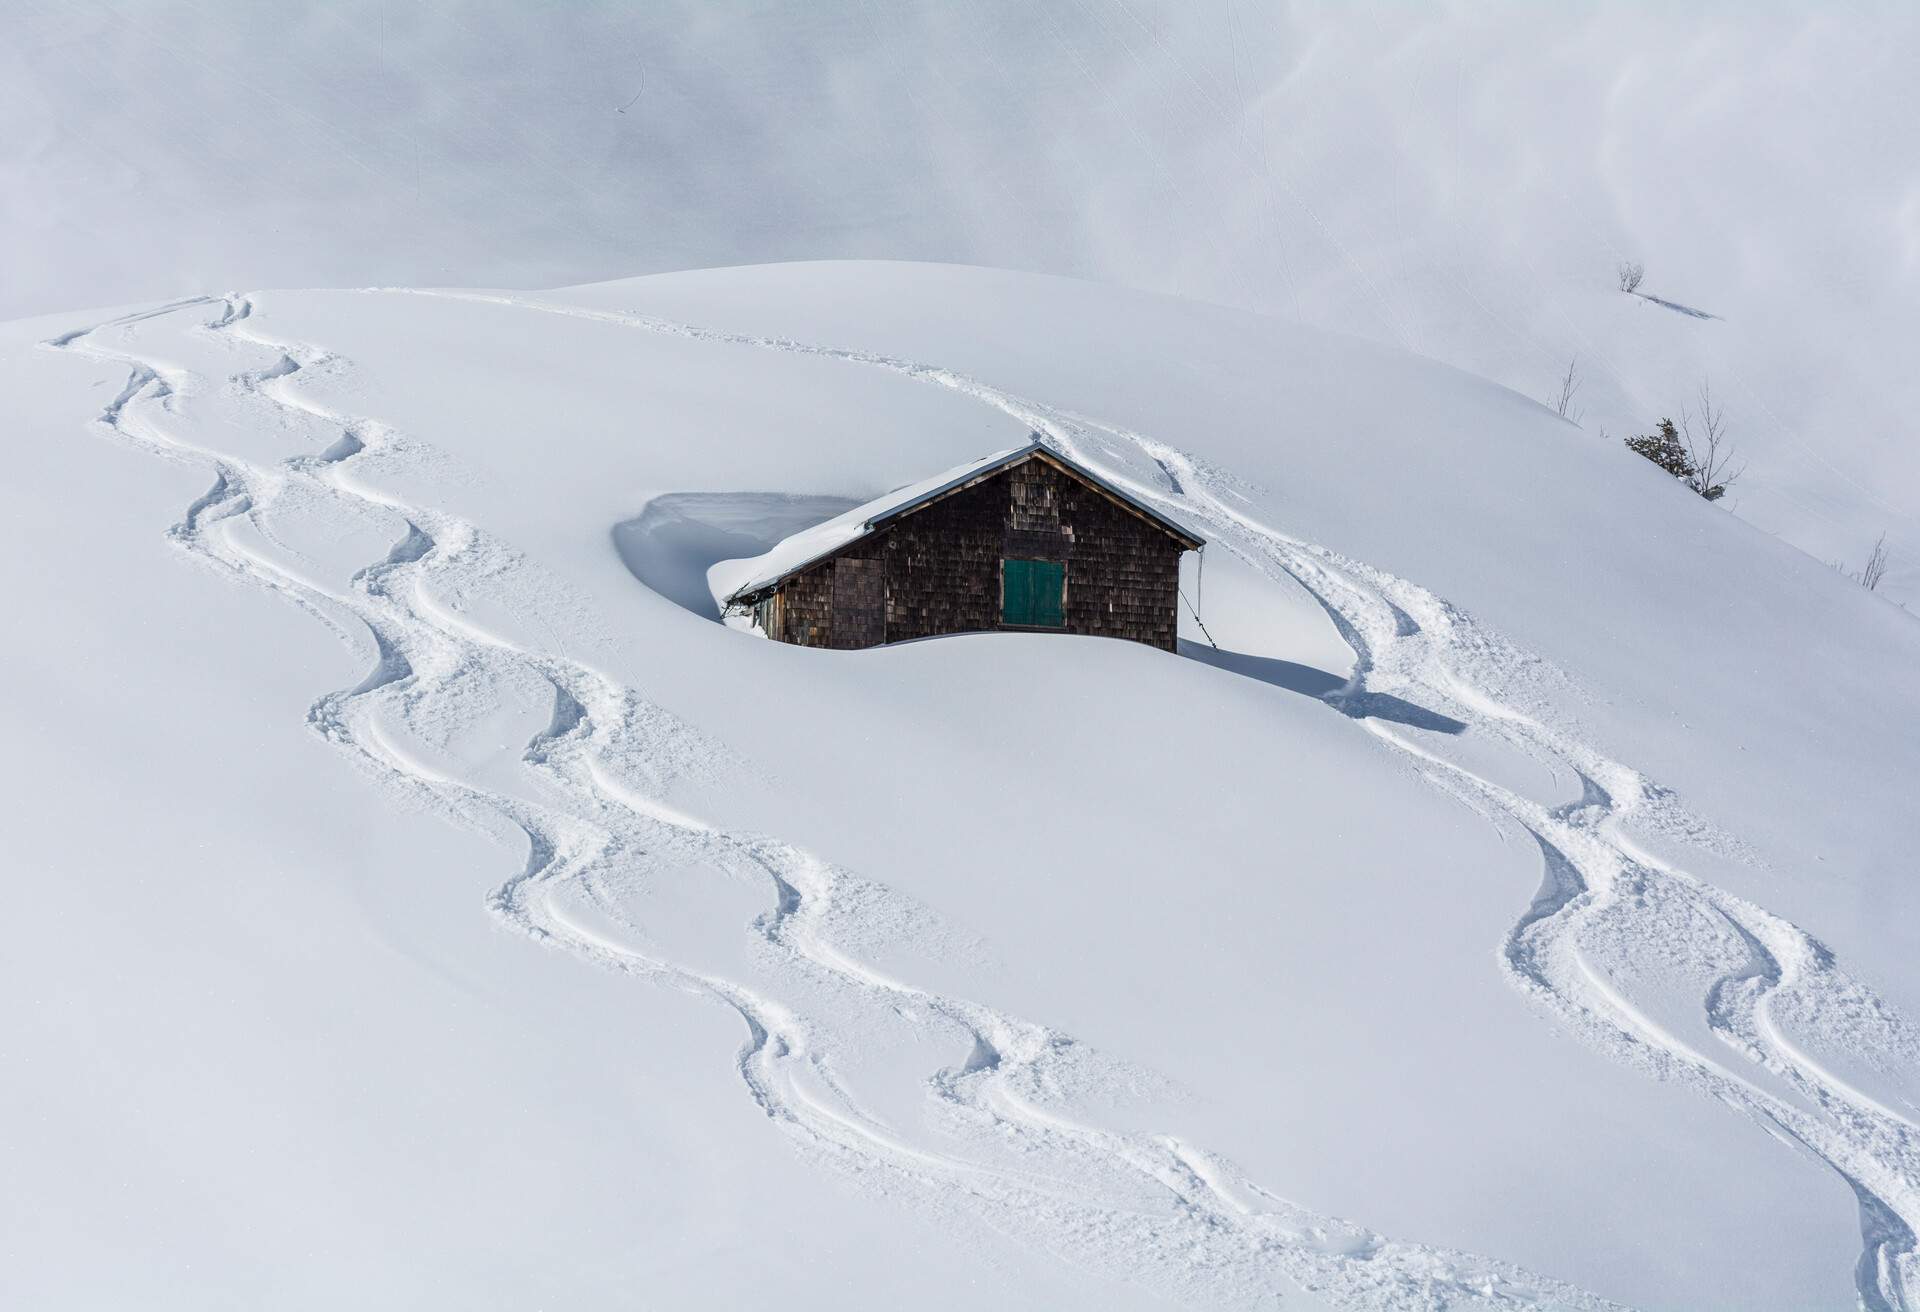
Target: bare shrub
column 1631, row 272
column 1705, row 436
column 1569, row 387
column 1876, row 567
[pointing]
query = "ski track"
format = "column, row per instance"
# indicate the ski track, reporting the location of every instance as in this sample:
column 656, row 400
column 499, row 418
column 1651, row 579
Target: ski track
column 601, row 767
column 1413, row 644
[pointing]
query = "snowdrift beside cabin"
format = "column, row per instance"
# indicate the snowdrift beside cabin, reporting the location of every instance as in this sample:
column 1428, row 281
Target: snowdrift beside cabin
column 729, row 578
column 1516, row 910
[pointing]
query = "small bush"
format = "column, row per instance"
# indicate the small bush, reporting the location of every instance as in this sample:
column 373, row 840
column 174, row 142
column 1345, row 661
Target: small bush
column 1665, row 448
column 1631, row 272
column 1697, row 452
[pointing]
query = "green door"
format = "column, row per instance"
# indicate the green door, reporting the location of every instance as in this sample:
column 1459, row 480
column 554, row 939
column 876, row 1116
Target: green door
column 1033, row 593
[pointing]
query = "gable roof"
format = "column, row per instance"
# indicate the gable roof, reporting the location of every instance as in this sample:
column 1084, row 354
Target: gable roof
column 732, row 579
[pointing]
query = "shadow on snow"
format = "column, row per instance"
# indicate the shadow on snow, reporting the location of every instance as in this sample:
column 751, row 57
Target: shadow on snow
column 671, row 544
column 1323, row 687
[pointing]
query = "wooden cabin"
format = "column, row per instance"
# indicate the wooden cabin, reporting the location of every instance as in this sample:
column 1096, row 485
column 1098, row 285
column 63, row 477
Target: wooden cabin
column 1023, row 540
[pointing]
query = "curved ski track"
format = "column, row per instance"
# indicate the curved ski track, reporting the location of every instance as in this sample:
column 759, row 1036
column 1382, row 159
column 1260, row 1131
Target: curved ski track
column 1411, row 643
column 1208, row 1235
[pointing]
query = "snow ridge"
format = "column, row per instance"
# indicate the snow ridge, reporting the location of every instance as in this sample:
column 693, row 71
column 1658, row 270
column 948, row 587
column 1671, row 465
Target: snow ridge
column 1597, row 883
column 1153, row 1208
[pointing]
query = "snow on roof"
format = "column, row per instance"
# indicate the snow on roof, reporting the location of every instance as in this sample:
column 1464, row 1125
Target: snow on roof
column 733, row 578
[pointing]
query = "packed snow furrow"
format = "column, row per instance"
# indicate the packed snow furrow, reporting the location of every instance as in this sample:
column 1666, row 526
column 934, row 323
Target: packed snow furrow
column 1585, row 870
column 234, row 309
column 1412, row 644
column 231, row 494
column 139, row 379
column 1008, row 1061
column 1117, row 1203
column 67, row 339
column 414, row 661
column 804, row 895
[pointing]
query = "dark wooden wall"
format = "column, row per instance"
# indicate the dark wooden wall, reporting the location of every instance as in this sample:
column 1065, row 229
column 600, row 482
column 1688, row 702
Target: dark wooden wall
column 941, row 566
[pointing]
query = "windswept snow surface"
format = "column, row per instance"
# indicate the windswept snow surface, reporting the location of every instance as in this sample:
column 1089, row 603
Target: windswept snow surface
column 1459, row 177
column 1517, row 911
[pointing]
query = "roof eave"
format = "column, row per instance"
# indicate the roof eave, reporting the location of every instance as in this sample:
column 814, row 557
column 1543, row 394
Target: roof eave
column 1033, row 449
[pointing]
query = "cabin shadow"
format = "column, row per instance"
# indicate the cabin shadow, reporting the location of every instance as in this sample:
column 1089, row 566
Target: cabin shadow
column 1318, row 684
column 675, row 539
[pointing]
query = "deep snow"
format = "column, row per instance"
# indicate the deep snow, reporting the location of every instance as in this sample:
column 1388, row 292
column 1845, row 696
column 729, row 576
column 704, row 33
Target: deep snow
column 1459, row 178
column 1517, row 910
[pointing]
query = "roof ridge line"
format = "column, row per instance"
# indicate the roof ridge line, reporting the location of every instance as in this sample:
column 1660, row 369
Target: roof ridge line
column 930, row 491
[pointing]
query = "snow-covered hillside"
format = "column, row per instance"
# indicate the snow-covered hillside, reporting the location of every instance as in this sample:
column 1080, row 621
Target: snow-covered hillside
column 1458, row 178
column 1517, row 910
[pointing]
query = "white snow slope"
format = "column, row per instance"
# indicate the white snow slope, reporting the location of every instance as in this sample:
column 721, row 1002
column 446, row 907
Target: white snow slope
column 1517, row 910
column 1459, row 177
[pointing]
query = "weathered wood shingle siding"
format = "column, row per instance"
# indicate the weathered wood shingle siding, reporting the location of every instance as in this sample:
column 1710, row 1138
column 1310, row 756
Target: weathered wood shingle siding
column 807, row 607
column 942, row 565
column 1123, row 573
